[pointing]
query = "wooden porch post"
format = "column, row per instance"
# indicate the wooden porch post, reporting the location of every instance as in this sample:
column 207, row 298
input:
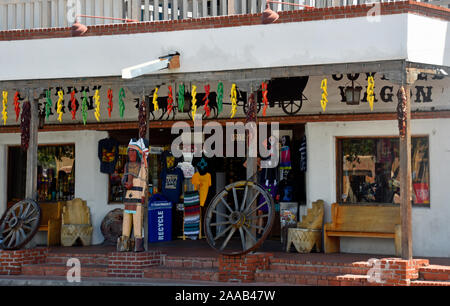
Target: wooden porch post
column 31, row 171
column 147, row 136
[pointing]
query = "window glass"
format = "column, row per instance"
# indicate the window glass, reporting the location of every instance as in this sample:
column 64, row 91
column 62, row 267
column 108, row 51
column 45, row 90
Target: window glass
column 370, row 170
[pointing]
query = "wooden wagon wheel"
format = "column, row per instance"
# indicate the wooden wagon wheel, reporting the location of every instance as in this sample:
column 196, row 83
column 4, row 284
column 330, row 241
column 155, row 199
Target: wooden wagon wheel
column 292, row 107
column 19, row 224
column 232, row 218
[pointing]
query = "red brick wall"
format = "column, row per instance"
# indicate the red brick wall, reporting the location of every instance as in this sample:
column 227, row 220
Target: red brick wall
column 234, row 20
column 242, row 269
column 131, row 264
column 11, row 262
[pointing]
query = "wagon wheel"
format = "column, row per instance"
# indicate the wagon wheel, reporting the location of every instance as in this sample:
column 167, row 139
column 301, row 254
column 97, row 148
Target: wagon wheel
column 232, row 218
column 19, row 224
column 292, row 107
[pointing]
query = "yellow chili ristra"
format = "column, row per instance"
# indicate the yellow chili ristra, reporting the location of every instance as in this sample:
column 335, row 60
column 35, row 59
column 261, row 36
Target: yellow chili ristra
column 370, row 88
column 233, row 98
column 59, row 105
column 324, row 100
column 5, row 104
column 155, row 99
column 97, row 105
column 194, row 101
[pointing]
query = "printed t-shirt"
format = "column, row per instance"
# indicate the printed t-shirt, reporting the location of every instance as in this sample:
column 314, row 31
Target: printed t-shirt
column 201, row 183
column 172, row 182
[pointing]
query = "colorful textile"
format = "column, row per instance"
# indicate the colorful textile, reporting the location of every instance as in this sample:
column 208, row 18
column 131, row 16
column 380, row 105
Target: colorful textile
column 108, row 153
column 285, row 163
column 191, row 214
column 302, row 151
column 273, row 190
column 202, row 183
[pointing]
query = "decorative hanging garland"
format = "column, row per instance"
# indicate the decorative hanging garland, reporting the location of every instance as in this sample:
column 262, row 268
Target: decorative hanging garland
column 233, row 98
column 84, row 107
column 48, row 104
column 181, row 98
column 324, row 100
column 170, row 100
column 121, row 102
column 370, row 94
column 25, row 120
column 194, row 101
column 73, row 102
column 142, row 119
column 110, row 102
column 264, row 97
column 59, row 105
column 17, row 105
column 97, row 105
column 155, row 99
column 5, row 104
column 206, row 100
column 219, row 97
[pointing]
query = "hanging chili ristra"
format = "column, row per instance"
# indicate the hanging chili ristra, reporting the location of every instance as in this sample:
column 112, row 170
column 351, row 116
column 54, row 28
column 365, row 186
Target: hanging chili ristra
column 194, row 101
column 264, row 97
column 73, row 102
column 25, row 120
column 121, row 102
column 170, row 100
column 5, row 104
column 324, row 100
column 97, row 105
column 370, row 88
column 84, row 107
column 155, row 99
column 181, row 98
column 206, row 100
column 59, row 105
column 233, row 98
column 110, row 102
column 219, row 97
column 17, row 105
column 48, row 104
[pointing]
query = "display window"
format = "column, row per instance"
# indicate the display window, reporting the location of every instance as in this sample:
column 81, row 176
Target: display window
column 55, row 173
column 368, row 170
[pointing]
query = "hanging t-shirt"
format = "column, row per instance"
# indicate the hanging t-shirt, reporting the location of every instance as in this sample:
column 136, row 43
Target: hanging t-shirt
column 201, row 183
column 108, row 153
column 187, row 168
column 172, row 183
column 285, row 163
column 273, row 190
column 168, row 160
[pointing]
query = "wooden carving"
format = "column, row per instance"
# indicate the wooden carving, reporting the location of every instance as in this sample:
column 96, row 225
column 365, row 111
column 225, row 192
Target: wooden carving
column 76, row 223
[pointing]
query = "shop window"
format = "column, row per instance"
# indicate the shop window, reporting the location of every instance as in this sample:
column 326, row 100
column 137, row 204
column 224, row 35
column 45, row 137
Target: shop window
column 368, row 170
column 55, row 173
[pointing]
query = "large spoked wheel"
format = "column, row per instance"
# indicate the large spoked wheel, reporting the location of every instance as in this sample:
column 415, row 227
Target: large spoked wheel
column 19, row 224
column 235, row 215
column 292, row 107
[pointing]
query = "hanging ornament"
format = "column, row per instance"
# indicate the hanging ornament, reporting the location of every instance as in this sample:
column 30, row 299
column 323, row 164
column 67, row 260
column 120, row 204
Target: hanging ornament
column 25, row 120
column 264, row 97
column 219, row 97
column 97, row 105
column 233, row 98
column 17, row 105
column 324, row 100
column 110, row 102
column 194, row 101
column 142, row 119
column 84, row 107
column 48, row 104
column 73, row 103
column 59, row 105
column 121, row 102
column 401, row 111
column 181, row 98
column 370, row 94
column 206, row 100
column 155, row 99
column 251, row 113
column 170, row 100
column 5, row 104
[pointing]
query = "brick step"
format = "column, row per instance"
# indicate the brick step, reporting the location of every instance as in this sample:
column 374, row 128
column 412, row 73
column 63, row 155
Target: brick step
column 190, row 262
column 430, row 283
column 61, row 270
column 297, row 277
column 162, row 272
column 89, row 259
column 435, row 273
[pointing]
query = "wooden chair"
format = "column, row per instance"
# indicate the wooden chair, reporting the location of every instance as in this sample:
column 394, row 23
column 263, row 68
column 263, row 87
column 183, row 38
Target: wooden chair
column 76, row 223
column 362, row 221
column 308, row 233
column 51, row 222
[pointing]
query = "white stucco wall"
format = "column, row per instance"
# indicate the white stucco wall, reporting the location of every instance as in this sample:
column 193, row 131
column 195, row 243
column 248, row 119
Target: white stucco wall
column 431, row 229
column 90, row 184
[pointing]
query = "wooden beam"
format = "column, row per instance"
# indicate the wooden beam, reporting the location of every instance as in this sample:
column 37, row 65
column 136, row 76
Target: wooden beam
column 31, row 170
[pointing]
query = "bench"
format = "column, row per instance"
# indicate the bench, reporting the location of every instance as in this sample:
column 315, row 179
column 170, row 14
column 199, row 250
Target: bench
column 362, row 221
column 51, row 222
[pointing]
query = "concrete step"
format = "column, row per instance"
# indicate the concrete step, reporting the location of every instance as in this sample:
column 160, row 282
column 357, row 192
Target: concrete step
column 297, row 277
column 434, row 273
column 61, row 270
column 178, row 273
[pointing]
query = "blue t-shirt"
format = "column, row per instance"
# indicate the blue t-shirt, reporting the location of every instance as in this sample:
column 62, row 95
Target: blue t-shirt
column 172, row 184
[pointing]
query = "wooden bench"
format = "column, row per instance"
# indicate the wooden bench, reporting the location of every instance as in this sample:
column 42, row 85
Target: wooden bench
column 362, row 221
column 51, row 222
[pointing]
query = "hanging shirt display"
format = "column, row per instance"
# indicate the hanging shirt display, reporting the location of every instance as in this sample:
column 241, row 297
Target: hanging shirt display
column 172, row 182
column 202, row 184
column 187, row 168
column 108, row 153
column 273, row 190
column 302, row 151
column 285, row 163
